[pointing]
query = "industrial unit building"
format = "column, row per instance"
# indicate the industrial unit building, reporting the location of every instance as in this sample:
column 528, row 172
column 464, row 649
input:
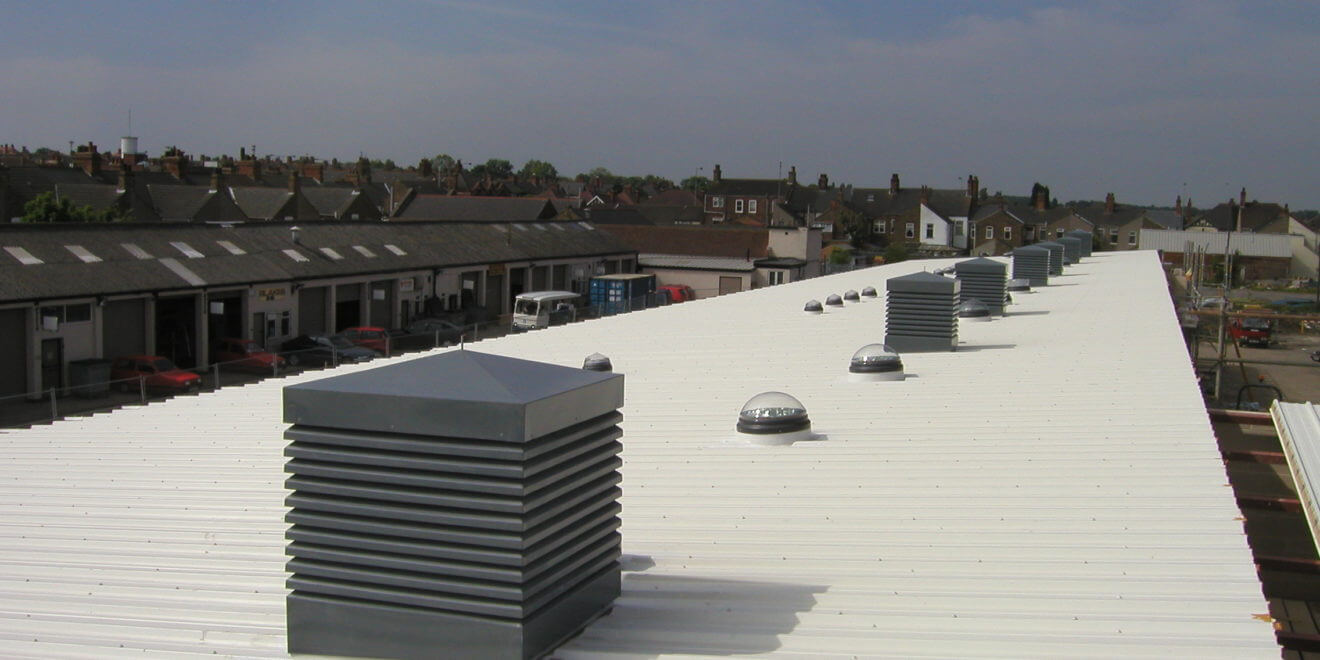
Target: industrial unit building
column 72, row 292
column 1052, row 488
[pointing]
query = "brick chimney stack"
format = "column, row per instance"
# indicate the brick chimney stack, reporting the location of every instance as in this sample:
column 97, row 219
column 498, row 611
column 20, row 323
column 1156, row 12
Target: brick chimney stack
column 716, row 174
column 973, row 186
column 792, row 175
column 1039, row 200
column 1178, row 207
column 87, row 159
column 824, row 181
column 1242, row 197
column 175, row 162
column 125, row 178
column 893, row 184
column 248, row 165
column 295, row 185
column 925, row 194
column 1109, row 204
column 216, row 180
column 313, row 169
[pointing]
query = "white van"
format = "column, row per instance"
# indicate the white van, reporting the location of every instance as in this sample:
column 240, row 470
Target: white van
column 542, row 309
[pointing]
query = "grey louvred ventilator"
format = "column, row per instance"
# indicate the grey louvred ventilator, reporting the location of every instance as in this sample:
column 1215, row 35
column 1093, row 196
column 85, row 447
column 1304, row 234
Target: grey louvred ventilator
column 1072, row 249
column 1085, row 237
column 985, row 280
column 773, row 418
column 1056, row 256
column 875, row 362
column 1032, row 264
column 462, row 505
column 922, row 313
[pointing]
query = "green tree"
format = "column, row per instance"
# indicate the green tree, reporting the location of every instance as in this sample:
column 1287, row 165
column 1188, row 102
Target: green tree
column 539, row 168
column 424, row 168
column 695, row 183
column 47, row 208
column 443, row 162
column 841, row 256
column 496, row 168
column 895, row 253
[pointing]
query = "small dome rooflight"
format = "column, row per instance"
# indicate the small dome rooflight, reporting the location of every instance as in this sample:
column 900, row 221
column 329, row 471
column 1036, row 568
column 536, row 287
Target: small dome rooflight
column 851, row 296
column 1019, row 284
column 597, row 362
column 868, row 292
column 774, row 418
column 973, row 310
column 834, row 300
column 813, row 307
column 875, row 362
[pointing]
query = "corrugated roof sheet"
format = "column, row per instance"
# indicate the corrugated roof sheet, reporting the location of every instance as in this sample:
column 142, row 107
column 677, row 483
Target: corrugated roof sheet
column 694, row 262
column 1298, row 425
column 1246, row 244
column 1051, row 489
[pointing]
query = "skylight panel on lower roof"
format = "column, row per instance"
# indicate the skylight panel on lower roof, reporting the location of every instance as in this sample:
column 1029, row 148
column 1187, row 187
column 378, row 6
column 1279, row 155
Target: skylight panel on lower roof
column 330, row 252
column 295, row 255
column 24, row 257
column 187, row 250
column 136, row 251
column 82, row 253
column 398, row 251
column 233, row 249
column 362, row 250
column 519, row 227
column 586, row 225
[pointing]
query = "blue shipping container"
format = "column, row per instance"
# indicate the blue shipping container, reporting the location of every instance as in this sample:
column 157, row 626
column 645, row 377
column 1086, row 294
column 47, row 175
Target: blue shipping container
column 622, row 292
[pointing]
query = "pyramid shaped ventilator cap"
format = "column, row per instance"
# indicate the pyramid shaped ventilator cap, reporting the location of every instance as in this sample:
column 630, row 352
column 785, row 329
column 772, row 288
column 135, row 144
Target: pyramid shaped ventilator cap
column 921, row 313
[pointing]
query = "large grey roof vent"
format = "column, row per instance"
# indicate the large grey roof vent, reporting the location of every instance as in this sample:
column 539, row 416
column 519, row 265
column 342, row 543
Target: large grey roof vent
column 875, row 362
column 773, row 418
column 1072, row 249
column 1032, row 264
column 460, row 505
column 1085, row 237
column 1056, row 256
column 922, row 313
column 985, row 280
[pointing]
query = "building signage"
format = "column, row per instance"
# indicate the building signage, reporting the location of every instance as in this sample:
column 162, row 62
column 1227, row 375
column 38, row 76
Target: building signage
column 407, row 284
column 274, row 293
column 495, row 269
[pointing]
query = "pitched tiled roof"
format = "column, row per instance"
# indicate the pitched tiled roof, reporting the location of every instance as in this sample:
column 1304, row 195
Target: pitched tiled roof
column 1255, row 215
column 262, row 203
column 751, row 187
column 740, row 242
column 96, row 195
column 475, row 209
column 624, row 215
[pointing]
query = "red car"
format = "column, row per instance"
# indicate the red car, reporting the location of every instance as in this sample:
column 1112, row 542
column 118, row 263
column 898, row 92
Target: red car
column 1251, row 331
column 246, row 354
column 677, row 292
column 157, row 372
column 368, row 336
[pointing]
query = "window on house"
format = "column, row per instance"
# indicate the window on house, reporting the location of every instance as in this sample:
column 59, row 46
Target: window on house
column 880, row 227
column 68, row 313
column 1058, row 233
column 1113, row 236
column 751, row 206
column 958, row 229
column 1008, row 233
column 737, row 206
column 718, row 217
column 870, row 197
column 989, row 233
column 1132, row 238
column 717, row 202
column 911, row 230
column 930, row 230
column 776, row 277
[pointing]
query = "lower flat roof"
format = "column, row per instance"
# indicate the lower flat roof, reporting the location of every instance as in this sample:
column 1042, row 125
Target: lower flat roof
column 1050, row 489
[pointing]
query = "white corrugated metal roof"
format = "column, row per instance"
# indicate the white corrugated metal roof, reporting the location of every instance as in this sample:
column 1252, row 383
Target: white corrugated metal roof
column 1247, row 244
column 1052, row 489
column 1298, row 425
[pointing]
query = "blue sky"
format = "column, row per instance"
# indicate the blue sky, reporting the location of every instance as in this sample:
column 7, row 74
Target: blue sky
column 1148, row 100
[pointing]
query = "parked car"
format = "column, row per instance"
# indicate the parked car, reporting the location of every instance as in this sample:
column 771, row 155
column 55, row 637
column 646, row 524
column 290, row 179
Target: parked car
column 1294, row 304
column 156, row 372
column 1215, row 303
column 677, row 292
column 369, row 336
column 425, row 333
column 1250, row 331
column 324, row 349
column 246, row 354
